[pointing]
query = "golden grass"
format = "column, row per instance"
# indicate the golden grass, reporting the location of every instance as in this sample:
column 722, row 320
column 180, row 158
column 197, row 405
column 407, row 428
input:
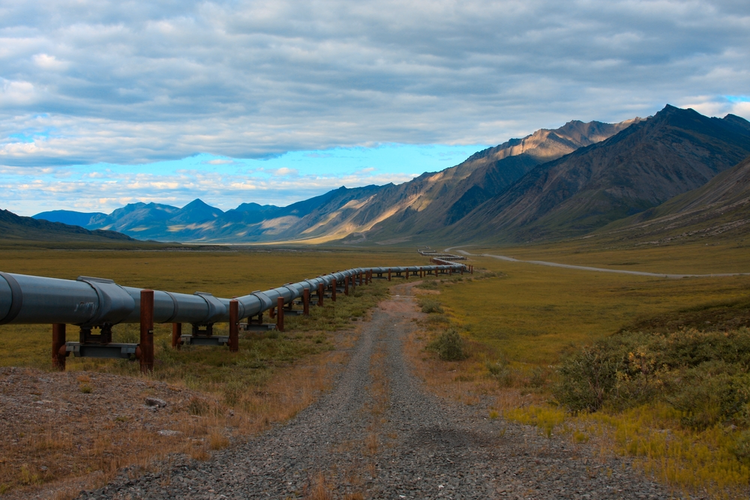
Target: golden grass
column 519, row 322
column 270, row 379
column 533, row 314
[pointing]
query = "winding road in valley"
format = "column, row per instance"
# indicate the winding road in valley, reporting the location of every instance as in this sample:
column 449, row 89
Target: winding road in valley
column 380, row 434
column 597, row 269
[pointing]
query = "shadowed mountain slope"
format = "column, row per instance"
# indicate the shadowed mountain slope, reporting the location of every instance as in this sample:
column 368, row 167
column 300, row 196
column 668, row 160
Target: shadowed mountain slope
column 719, row 209
column 433, row 201
column 641, row 167
column 69, row 217
column 16, row 228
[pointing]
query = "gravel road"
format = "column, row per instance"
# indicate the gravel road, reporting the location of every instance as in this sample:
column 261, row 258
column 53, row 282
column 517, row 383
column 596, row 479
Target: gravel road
column 379, row 434
column 600, row 269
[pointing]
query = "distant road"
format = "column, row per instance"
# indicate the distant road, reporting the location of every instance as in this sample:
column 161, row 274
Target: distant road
column 597, row 269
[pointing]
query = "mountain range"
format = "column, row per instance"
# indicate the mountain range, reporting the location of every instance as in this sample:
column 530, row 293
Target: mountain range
column 552, row 184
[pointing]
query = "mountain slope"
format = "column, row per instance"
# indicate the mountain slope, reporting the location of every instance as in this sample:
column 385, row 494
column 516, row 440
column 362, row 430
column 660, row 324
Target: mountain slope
column 434, row 200
column 720, row 208
column 641, row 167
column 69, row 217
column 16, row 228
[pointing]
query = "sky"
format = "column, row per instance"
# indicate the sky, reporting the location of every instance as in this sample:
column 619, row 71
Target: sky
column 107, row 103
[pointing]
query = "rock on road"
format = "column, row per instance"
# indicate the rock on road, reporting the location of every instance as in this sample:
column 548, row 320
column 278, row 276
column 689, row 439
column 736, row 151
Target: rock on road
column 380, row 434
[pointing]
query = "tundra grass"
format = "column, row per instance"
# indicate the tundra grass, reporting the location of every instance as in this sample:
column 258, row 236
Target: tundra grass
column 273, row 375
column 718, row 256
column 528, row 318
column 222, row 273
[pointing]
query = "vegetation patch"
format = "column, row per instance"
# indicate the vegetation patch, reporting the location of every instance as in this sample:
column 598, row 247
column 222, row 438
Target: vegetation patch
column 449, row 346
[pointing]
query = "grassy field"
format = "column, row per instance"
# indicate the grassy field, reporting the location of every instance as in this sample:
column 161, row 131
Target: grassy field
column 719, row 256
column 524, row 321
column 521, row 322
column 273, row 375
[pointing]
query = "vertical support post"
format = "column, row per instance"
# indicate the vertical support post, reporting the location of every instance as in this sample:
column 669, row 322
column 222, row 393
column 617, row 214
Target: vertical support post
column 234, row 326
column 407, row 275
column 450, row 271
column 280, row 315
column 389, row 274
column 272, row 313
column 354, row 283
column 306, row 301
column 346, row 285
column 462, row 270
column 472, row 269
column 359, row 275
column 58, row 343
column 176, row 335
column 333, row 290
column 320, row 294
column 147, row 331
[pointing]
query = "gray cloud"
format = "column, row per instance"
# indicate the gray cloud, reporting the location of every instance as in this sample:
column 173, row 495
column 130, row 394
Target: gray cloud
column 133, row 82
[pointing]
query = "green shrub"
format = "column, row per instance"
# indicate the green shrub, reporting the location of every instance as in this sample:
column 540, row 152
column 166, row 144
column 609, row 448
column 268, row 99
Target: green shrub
column 449, row 346
column 430, row 306
column 703, row 375
column 501, row 372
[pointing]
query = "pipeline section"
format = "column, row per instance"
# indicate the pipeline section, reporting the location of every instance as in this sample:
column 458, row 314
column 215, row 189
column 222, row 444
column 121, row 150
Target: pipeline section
column 89, row 302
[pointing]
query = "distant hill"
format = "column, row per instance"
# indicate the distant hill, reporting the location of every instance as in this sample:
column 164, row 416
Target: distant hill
column 641, row 167
column 385, row 214
column 17, row 228
column 433, row 201
column 719, row 209
column 552, row 184
column 69, row 217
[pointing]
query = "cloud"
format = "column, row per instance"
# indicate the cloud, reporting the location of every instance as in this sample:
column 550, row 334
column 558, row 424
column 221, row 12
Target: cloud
column 219, row 162
column 132, row 83
column 108, row 189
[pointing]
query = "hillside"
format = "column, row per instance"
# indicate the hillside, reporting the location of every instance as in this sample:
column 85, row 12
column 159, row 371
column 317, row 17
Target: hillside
column 720, row 209
column 641, row 167
column 17, row 228
column 433, row 201
column 550, row 185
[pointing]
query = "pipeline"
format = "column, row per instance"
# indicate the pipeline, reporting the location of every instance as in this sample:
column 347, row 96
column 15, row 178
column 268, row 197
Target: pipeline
column 92, row 302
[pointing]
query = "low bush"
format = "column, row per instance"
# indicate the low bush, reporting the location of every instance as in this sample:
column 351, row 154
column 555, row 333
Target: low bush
column 702, row 375
column 449, row 346
column 430, row 306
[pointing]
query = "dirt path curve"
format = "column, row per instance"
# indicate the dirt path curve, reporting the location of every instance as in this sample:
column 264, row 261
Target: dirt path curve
column 379, row 434
column 598, row 269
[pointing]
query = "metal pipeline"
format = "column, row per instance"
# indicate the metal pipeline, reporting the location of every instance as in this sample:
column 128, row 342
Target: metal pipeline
column 95, row 301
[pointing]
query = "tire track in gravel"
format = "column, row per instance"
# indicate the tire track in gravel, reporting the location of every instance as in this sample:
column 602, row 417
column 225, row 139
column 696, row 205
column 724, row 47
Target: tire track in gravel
column 379, row 434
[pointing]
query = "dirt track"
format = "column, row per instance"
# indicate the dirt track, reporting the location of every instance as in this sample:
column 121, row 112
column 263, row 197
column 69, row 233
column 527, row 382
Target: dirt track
column 379, row 434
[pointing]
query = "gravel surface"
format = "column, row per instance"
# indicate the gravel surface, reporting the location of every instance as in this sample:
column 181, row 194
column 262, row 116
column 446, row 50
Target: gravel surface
column 379, row 434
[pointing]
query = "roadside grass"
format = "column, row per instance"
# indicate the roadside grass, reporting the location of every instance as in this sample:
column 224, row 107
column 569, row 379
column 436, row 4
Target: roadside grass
column 523, row 324
column 717, row 256
column 272, row 377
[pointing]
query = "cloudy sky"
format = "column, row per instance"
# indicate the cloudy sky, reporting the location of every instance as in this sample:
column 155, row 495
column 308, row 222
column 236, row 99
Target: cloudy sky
column 104, row 103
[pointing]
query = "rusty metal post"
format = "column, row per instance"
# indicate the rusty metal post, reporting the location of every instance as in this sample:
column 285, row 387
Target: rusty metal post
column 234, row 326
column 354, row 283
column 147, row 331
column 280, row 315
column 472, row 269
column 407, row 274
column 359, row 275
column 176, row 335
column 462, row 270
column 389, row 274
column 306, row 301
column 450, row 271
column 333, row 290
column 272, row 313
column 320, row 294
column 346, row 285
column 58, row 344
